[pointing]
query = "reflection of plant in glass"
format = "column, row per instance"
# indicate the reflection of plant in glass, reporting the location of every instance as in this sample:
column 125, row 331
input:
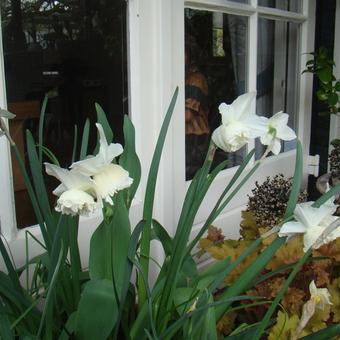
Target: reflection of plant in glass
column 48, row 23
column 322, row 66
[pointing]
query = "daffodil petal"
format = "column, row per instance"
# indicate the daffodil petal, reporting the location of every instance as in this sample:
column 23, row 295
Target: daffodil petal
column 257, row 125
column 310, row 236
column 227, row 113
column 279, row 120
column 107, row 152
column 111, row 180
column 276, row 146
column 286, row 133
column 310, row 216
column 291, row 228
column 242, row 104
column 70, row 179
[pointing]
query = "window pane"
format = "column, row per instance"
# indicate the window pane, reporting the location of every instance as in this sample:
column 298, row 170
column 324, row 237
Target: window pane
column 74, row 50
column 277, row 72
column 286, row 5
column 215, row 72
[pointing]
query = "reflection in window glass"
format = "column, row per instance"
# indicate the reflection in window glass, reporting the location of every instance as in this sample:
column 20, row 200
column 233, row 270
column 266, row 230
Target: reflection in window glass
column 286, row 5
column 215, row 72
column 277, row 73
column 74, row 50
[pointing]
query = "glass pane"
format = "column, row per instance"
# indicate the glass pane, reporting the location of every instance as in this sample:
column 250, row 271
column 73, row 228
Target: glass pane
column 215, row 72
column 286, row 5
column 74, row 50
column 277, row 73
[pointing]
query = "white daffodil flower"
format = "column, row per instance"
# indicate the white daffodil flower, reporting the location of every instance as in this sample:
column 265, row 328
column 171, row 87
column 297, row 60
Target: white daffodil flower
column 312, row 222
column 277, row 130
column 239, row 124
column 319, row 299
column 108, row 178
column 3, row 127
column 74, row 192
column 320, row 296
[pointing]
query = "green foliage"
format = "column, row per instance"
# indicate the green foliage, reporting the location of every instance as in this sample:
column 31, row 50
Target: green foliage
column 61, row 300
column 322, row 66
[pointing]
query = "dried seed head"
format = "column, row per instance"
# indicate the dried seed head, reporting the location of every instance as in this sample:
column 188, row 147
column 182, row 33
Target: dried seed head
column 269, row 200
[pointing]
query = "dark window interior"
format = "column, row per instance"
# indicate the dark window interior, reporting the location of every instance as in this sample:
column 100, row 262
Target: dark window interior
column 76, row 52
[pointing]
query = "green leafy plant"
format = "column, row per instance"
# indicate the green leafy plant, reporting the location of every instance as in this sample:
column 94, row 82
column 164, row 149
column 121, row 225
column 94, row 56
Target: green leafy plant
column 62, row 300
column 323, row 67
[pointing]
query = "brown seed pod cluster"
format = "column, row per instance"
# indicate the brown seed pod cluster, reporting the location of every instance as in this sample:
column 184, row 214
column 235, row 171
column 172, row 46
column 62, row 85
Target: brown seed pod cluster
column 269, row 200
column 334, row 159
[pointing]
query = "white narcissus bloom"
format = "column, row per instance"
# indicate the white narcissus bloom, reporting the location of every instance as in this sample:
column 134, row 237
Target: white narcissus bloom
column 320, row 296
column 239, row 124
column 73, row 192
column 108, row 178
column 312, row 222
column 277, row 130
column 319, row 299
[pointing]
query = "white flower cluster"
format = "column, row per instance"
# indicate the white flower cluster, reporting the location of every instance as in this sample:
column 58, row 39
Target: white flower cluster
column 90, row 181
column 240, row 124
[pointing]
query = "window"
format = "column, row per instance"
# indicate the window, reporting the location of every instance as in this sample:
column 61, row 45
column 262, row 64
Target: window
column 215, row 72
column 219, row 63
column 251, row 46
column 76, row 52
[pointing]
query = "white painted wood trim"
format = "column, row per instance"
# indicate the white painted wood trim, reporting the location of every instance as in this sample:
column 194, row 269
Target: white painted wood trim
column 306, row 82
column 7, row 207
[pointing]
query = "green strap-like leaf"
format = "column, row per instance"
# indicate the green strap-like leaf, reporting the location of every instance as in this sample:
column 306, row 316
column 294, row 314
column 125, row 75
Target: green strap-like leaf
column 130, row 161
column 159, row 232
column 41, row 128
column 69, row 327
column 5, row 325
column 243, row 282
column 75, row 141
column 85, row 140
column 326, row 196
column 97, row 311
column 102, row 119
column 39, row 184
column 109, row 246
column 324, row 334
column 296, row 185
column 293, row 199
column 33, row 197
column 149, row 199
column 10, row 266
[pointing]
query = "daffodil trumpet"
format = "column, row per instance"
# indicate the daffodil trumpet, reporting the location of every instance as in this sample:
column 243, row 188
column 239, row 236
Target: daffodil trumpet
column 91, row 181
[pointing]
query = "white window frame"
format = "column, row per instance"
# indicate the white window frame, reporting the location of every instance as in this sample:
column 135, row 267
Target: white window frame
column 271, row 165
column 16, row 238
column 156, row 60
